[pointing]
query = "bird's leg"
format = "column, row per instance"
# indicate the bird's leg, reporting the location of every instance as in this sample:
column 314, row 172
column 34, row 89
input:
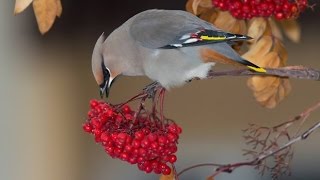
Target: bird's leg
column 151, row 89
column 161, row 96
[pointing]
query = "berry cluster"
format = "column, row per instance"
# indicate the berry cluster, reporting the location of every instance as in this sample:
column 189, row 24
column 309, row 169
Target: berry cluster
column 144, row 140
column 247, row 9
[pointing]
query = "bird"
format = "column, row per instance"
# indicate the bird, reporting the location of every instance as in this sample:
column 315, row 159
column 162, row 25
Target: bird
column 166, row 46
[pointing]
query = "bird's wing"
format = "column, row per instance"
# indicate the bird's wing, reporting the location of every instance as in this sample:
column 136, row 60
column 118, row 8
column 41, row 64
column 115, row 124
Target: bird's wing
column 174, row 29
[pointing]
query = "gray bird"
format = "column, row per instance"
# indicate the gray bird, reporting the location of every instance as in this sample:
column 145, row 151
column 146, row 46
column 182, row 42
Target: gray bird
column 164, row 45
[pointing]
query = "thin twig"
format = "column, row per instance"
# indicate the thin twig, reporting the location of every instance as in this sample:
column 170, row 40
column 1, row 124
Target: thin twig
column 199, row 165
column 266, row 154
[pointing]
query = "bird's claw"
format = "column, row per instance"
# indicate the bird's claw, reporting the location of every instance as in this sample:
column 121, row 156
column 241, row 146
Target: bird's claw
column 151, row 89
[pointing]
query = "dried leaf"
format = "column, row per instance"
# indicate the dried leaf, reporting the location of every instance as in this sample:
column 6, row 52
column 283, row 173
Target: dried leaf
column 167, row 177
column 225, row 21
column 45, row 12
column 197, row 6
column 276, row 32
column 291, row 29
column 209, row 15
column 210, row 178
column 189, row 6
column 257, row 27
column 268, row 52
column 282, row 52
column 59, row 8
column 21, row 5
column 259, row 49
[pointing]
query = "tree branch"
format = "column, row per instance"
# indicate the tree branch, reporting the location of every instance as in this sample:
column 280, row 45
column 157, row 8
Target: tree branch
column 266, row 154
column 270, row 150
column 298, row 72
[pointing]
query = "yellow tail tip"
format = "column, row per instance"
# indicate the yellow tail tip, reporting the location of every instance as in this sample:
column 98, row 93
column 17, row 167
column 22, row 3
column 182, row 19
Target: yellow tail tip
column 257, row 69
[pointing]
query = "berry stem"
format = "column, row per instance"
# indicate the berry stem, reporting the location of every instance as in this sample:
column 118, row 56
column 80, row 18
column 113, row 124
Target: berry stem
column 197, row 166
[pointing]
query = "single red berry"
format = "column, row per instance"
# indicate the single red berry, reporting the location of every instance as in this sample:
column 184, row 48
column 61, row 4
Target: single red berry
column 136, row 143
column 139, row 135
column 172, row 158
column 93, row 103
column 132, row 160
column 166, row 170
column 162, row 140
column 126, row 109
column 145, row 143
column 87, row 127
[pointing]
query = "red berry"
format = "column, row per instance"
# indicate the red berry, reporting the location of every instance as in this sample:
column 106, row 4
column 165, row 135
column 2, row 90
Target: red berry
column 162, row 140
column 87, row 127
column 139, row 135
column 166, row 170
column 126, row 109
column 172, row 158
column 93, row 103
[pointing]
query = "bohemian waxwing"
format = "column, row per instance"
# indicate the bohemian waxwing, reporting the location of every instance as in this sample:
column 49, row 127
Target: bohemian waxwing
column 164, row 45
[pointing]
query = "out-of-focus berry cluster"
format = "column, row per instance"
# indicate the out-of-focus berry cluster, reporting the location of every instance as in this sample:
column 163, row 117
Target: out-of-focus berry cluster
column 144, row 140
column 247, row 9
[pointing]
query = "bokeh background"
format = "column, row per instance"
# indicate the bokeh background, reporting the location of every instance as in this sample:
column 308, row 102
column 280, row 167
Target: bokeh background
column 46, row 84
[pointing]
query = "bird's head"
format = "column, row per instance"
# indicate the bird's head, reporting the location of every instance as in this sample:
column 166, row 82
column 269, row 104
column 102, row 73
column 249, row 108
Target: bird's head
column 104, row 68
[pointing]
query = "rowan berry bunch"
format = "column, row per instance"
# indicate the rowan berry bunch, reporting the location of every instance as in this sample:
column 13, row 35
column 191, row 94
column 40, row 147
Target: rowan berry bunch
column 138, row 138
column 247, row 9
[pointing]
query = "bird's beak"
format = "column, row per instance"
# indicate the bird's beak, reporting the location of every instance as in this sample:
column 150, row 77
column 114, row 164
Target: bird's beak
column 104, row 89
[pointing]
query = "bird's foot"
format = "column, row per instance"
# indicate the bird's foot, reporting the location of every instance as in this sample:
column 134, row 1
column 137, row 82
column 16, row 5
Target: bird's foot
column 151, row 89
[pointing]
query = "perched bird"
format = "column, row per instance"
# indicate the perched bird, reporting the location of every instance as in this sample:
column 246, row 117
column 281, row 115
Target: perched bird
column 165, row 45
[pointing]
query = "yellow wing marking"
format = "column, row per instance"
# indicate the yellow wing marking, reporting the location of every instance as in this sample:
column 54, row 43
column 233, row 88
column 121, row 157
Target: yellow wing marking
column 213, row 38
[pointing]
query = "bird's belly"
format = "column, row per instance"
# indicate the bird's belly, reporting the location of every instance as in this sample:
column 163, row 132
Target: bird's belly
column 172, row 68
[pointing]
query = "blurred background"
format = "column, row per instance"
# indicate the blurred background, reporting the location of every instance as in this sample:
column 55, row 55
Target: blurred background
column 46, row 84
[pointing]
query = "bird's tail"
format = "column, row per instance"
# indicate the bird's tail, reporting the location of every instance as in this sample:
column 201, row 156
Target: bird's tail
column 252, row 66
column 211, row 55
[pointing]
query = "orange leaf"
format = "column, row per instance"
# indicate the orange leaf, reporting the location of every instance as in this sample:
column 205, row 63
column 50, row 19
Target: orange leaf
column 196, row 4
column 276, row 32
column 209, row 15
column 59, row 8
column 257, row 26
column 45, row 12
column 268, row 52
column 291, row 29
column 281, row 50
column 225, row 21
column 21, row 5
column 258, row 50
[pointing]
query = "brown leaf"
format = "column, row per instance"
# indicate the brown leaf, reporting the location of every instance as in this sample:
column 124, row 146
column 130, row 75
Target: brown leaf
column 189, row 6
column 167, row 177
column 45, row 12
column 21, row 5
column 268, row 52
column 282, row 52
column 209, row 15
column 59, row 8
column 197, row 6
column 257, row 27
column 276, row 32
column 225, row 21
column 258, row 50
column 291, row 29
column 210, row 178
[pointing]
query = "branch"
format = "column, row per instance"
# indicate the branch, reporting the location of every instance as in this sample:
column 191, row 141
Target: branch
column 266, row 154
column 271, row 150
column 298, row 72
